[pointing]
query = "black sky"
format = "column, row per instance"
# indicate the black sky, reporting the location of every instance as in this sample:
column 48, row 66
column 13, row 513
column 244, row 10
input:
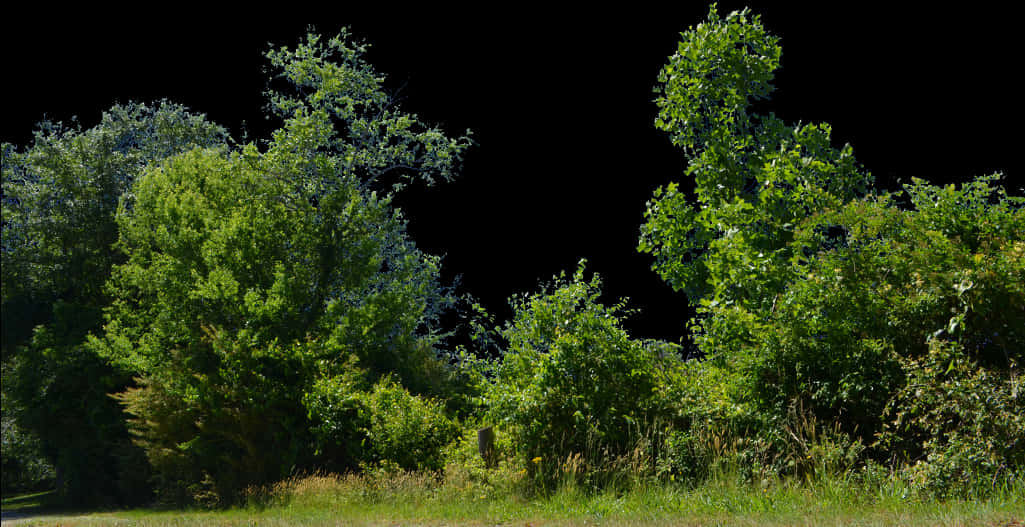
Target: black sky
column 560, row 104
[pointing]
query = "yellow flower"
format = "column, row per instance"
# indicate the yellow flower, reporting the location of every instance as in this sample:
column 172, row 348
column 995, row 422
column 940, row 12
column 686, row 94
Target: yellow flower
column 536, row 460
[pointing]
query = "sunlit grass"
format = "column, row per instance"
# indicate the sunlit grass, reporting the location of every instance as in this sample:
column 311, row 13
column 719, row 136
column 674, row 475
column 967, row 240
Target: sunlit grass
column 423, row 499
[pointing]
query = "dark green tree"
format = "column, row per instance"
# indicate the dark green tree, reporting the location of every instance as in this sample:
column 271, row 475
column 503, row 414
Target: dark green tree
column 60, row 196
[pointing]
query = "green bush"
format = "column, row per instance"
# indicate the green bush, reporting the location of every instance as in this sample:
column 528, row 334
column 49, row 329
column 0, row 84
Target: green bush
column 408, row 431
column 383, row 426
column 572, row 382
column 961, row 427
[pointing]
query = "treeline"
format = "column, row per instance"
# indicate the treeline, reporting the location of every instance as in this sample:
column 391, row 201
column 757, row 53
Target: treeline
column 186, row 317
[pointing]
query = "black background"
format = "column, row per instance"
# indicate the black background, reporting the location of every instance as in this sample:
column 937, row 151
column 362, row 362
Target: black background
column 560, row 104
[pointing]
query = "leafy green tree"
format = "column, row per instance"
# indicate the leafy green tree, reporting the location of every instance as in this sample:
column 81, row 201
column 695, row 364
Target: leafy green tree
column 59, row 201
column 731, row 248
column 755, row 178
column 815, row 296
column 258, row 284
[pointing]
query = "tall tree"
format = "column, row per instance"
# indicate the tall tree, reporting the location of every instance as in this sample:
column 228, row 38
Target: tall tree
column 254, row 281
column 59, row 200
column 818, row 295
column 755, row 178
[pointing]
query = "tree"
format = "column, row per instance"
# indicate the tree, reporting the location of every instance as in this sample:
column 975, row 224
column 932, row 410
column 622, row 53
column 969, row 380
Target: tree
column 754, row 177
column 820, row 297
column 258, row 284
column 59, row 201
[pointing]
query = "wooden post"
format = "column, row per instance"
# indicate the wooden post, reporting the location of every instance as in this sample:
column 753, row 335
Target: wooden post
column 486, row 446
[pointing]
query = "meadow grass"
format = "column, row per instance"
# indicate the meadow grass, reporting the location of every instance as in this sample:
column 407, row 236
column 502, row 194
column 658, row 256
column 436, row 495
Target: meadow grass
column 399, row 498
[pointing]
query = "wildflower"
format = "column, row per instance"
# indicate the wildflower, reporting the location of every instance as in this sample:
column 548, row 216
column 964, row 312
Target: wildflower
column 536, row 460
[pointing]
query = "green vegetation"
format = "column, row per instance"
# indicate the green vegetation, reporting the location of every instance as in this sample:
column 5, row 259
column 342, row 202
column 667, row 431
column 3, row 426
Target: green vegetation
column 60, row 198
column 192, row 322
column 418, row 499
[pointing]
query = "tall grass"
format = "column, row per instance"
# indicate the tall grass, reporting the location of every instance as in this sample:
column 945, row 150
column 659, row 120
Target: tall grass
column 623, row 490
column 725, row 498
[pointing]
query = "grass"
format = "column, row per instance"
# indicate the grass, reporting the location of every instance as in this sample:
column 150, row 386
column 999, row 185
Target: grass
column 418, row 499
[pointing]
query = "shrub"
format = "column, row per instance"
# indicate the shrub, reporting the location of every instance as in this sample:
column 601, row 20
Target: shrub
column 571, row 381
column 961, row 426
column 408, row 431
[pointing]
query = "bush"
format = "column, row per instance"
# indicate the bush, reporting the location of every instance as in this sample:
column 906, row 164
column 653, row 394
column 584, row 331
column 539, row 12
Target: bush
column 572, row 382
column 816, row 298
column 384, row 426
column 960, row 426
column 408, row 431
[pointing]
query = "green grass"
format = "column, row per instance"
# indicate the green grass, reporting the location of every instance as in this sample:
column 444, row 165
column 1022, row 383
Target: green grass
column 410, row 499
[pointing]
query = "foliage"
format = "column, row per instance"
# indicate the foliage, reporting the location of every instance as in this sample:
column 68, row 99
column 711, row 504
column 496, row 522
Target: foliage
column 813, row 294
column 331, row 83
column 754, row 177
column 407, row 431
column 255, row 279
column 383, row 426
column 957, row 417
column 60, row 197
column 572, row 381
column 24, row 467
column 961, row 425
column 837, row 336
column 59, row 201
